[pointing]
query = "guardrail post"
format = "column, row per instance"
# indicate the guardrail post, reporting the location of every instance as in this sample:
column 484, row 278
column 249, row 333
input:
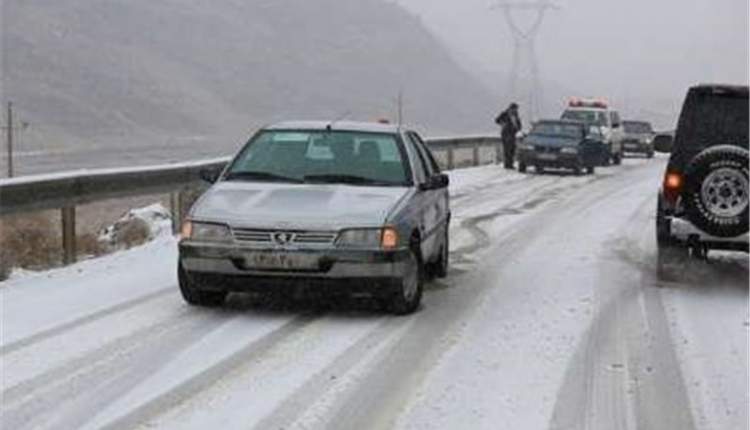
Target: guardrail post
column 450, row 158
column 475, row 153
column 68, row 216
column 175, row 208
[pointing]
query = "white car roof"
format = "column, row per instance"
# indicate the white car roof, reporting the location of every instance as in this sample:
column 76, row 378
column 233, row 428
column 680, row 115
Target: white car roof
column 588, row 108
column 373, row 127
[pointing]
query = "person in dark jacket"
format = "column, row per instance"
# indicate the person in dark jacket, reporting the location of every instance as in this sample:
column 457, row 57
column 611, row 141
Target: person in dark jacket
column 511, row 124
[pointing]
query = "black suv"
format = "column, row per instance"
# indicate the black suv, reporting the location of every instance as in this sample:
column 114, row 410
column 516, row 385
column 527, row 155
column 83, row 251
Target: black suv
column 703, row 201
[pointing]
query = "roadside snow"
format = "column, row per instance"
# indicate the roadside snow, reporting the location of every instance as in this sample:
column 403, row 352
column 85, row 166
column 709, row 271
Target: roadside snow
column 39, row 301
column 709, row 325
column 463, row 180
column 156, row 217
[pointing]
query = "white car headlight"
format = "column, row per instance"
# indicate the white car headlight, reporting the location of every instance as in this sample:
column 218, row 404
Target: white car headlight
column 386, row 238
column 360, row 238
column 206, row 232
column 569, row 150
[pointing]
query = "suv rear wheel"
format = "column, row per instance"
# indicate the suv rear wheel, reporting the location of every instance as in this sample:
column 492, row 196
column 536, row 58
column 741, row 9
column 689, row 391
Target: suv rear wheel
column 716, row 191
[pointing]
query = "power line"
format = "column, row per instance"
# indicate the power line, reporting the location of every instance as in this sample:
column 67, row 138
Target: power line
column 525, row 63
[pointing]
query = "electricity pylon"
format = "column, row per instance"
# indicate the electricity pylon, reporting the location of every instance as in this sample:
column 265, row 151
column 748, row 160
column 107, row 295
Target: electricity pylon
column 524, row 82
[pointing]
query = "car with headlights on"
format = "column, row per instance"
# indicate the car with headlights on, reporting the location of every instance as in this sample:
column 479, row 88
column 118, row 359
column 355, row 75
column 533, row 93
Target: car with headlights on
column 638, row 138
column 562, row 144
column 359, row 209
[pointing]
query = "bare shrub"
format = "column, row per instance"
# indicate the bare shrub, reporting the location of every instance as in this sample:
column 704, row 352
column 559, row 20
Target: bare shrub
column 132, row 233
column 89, row 245
column 30, row 241
column 5, row 264
column 33, row 240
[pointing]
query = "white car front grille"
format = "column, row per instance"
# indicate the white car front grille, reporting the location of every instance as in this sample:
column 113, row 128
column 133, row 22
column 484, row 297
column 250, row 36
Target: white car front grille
column 283, row 237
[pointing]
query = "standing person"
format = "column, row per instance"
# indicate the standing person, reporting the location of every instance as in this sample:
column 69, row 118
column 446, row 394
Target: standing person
column 511, row 124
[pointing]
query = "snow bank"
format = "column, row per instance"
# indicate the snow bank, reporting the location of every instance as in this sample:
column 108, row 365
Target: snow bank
column 155, row 218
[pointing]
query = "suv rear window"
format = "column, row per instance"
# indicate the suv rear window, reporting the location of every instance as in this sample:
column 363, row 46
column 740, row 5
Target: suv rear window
column 710, row 118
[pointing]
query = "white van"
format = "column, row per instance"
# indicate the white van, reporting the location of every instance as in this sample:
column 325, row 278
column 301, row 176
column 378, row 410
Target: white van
column 598, row 112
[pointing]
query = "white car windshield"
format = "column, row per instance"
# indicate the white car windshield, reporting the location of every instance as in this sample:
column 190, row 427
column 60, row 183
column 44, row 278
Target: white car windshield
column 587, row 116
column 357, row 158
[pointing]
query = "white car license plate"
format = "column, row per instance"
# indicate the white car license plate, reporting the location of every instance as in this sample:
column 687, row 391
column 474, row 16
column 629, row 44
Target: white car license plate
column 281, row 261
column 547, row 156
column 631, row 146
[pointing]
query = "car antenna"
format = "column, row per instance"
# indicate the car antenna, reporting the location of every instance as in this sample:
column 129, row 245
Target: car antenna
column 400, row 105
column 338, row 118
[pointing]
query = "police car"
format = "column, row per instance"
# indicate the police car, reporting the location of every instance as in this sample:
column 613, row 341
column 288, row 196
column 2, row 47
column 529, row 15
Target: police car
column 599, row 113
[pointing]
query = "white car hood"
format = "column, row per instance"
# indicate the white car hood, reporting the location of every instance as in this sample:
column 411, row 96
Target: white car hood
column 297, row 206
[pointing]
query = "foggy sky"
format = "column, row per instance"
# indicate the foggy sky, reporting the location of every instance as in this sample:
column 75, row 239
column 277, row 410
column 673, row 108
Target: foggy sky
column 641, row 53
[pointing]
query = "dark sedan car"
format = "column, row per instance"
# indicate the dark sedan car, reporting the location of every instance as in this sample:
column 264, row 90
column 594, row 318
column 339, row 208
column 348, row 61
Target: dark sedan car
column 562, row 144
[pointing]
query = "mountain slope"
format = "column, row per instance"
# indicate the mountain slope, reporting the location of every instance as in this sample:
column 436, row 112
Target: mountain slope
column 117, row 71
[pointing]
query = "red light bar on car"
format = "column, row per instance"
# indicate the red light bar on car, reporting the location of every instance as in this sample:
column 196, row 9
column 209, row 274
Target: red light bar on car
column 595, row 103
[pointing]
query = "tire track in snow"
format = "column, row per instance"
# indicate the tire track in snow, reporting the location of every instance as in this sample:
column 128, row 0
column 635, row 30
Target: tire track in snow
column 315, row 387
column 625, row 373
column 498, row 180
column 386, row 392
column 101, row 375
column 70, row 325
column 392, row 386
column 540, row 195
column 199, row 382
column 481, row 239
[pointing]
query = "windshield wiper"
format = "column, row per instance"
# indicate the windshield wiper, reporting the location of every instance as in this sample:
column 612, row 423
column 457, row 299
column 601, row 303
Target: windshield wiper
column 346, row 179
column 263, row 176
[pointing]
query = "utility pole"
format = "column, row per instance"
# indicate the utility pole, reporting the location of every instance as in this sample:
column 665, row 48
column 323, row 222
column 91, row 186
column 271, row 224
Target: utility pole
column 525, row 66
column 400, row 102
column 10, row 128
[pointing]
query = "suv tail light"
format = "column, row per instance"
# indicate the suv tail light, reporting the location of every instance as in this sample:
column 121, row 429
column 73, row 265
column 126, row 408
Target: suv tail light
column 673, row 183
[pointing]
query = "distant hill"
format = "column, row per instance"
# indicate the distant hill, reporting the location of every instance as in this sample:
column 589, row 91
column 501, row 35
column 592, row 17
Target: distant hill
column 106, row 71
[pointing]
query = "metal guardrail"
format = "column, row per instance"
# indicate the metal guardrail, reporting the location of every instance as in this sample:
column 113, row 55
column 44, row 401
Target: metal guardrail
column 451, row 144
column 32, row 193
column 67, row 190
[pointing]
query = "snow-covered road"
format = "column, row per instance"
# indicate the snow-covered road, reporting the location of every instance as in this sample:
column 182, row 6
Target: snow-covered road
column 551, row 317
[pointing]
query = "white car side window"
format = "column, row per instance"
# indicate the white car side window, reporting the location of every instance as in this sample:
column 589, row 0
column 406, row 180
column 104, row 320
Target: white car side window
column 420, row 169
